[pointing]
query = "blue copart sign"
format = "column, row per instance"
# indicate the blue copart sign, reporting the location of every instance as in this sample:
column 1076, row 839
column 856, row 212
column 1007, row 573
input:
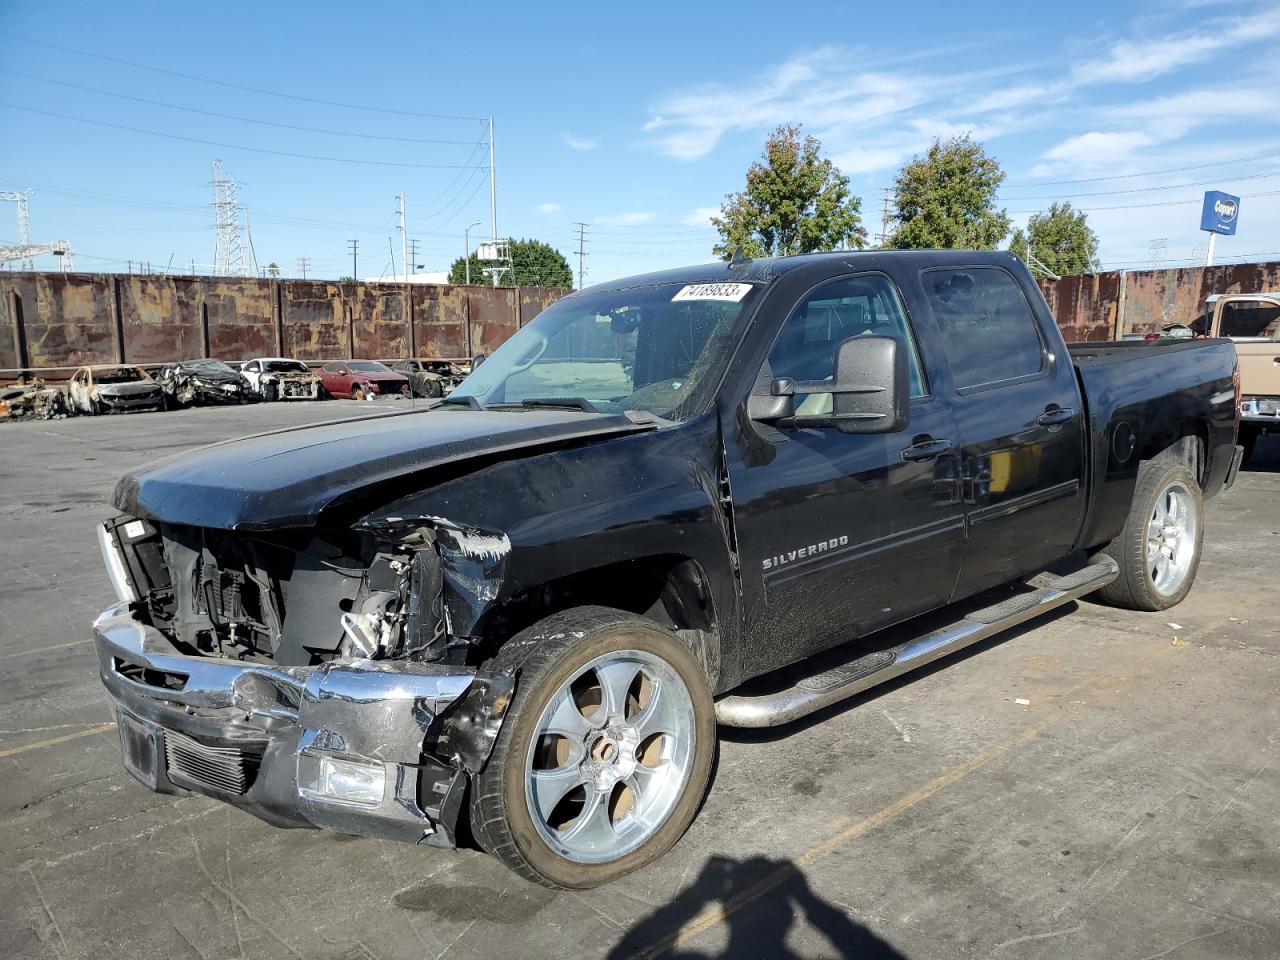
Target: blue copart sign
column 1221, row 212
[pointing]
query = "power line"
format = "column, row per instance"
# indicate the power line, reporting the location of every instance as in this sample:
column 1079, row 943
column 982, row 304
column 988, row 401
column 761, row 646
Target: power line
column 237, row 86
column 1148, row 173
column 1170, row 186
column 1140, row 206
column 236, row 146
column 230, row 116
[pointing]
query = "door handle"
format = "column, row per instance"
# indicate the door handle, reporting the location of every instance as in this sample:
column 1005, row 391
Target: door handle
column 926, row 450
column 1055, row 416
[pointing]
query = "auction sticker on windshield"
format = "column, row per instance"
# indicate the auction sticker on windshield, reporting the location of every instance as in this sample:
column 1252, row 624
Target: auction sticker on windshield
column 733, row 292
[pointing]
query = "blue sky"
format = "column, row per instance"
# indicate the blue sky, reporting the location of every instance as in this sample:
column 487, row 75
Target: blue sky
column 635, row 120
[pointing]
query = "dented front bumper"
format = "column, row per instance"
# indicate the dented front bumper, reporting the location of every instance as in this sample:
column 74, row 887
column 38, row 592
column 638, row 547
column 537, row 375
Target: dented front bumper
column 374, row 748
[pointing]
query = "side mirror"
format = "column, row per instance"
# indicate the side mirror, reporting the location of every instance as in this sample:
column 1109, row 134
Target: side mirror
column 476, row 361
column 869, row 392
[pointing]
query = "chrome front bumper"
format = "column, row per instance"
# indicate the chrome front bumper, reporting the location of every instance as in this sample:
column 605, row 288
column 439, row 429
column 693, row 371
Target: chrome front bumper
column 268, row 739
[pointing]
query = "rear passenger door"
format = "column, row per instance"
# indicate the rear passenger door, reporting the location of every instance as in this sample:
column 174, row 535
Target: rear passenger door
column 1020, row 423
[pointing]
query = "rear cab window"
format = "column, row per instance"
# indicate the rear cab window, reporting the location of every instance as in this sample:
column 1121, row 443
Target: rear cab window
column 989, row 333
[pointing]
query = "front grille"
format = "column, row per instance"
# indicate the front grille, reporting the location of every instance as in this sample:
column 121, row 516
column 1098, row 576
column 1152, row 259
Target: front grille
column 229, row 769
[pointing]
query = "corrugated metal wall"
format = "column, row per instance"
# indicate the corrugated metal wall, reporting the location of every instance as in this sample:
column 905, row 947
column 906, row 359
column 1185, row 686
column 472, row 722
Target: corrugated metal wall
column 1106, row 306
column 65, row 320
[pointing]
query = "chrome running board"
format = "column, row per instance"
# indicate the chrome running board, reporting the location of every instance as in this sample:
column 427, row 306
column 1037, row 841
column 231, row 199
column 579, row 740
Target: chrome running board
column 815, row 691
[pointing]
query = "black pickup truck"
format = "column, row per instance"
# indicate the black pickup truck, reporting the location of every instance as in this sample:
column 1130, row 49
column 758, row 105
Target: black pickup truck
column 517, row 617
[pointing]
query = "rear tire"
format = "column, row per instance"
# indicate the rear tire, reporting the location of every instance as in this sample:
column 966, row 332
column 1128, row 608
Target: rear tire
column 1158, row 550
column 624, row 781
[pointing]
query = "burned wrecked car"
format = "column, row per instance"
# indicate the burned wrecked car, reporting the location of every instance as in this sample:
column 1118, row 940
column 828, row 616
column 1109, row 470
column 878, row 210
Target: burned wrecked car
column 517, row 615
column 430, row 378
column 113, row 388
column 35, row 400
column 200, row 382
column 279, row 378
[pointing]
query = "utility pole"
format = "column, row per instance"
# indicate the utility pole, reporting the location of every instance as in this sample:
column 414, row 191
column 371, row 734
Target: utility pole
column 466, row 250
column 884, row 216
column 248, row 235
column 413, row 257
column 355, row 246
column 493, row 188
column 303, row 263
column 582, row 253
column 404, row 241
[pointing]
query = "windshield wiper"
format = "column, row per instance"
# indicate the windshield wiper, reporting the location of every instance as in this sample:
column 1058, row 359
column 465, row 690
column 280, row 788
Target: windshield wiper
column 471, row 403
column 582, row 403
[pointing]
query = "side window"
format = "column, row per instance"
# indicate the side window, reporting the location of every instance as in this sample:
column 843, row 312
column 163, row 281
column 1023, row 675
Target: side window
column 862, row 306
column 333, row 368
column 988, row 330
column 1250, row 318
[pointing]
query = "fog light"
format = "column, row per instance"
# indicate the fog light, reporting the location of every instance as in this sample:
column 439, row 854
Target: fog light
column 341, row 781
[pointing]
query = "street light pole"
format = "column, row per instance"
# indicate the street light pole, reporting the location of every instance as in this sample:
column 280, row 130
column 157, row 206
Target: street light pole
column 466, row 246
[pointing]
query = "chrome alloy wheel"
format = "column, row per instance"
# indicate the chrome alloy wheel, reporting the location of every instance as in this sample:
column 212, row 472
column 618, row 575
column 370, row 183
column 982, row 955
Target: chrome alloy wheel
column 1172, row 532
column 611, row 756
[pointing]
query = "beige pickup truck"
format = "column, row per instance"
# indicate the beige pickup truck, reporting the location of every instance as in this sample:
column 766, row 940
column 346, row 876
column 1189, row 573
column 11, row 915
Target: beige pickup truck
column 1252, row 320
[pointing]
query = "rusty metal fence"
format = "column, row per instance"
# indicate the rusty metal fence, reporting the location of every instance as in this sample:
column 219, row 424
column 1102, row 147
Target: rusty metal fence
column 61, row 320
column 64, row 320
column 1107, row 306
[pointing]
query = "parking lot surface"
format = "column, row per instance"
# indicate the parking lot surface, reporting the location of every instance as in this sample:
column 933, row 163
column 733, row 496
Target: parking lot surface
column 1098, row 783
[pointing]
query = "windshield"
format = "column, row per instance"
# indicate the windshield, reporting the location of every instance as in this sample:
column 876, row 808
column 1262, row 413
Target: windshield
column 660, row 349
column 118, row 375
column 285, row 366
column 210, row 366
column 367, row 366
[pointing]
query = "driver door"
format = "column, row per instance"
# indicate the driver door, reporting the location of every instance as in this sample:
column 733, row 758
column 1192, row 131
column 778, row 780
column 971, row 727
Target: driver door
column 841, row 534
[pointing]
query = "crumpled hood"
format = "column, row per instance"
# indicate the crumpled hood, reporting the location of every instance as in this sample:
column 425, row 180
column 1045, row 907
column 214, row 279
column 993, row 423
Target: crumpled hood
column 286, row 478
column 136, row 388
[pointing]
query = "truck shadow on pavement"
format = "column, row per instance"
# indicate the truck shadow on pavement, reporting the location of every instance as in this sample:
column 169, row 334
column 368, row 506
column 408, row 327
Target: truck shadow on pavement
column 758, row 901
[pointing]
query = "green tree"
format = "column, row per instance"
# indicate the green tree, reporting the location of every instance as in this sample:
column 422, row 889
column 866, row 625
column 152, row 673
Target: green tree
column 795, row 201
column 947, row 198
column 273, row 271
column 1060, row 239
column 534, row 263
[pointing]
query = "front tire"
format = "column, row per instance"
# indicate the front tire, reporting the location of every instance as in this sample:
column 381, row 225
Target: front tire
column 605, row 754
column 1158, row 551
column 357, row 393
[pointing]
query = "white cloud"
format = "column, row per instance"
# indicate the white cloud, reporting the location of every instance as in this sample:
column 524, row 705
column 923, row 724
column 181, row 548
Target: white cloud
column 632, row 219
column 1092, row 151
column 546, row 208
column 581, row 143
column 1137, row 60
column 700, row 216
column 824, row 89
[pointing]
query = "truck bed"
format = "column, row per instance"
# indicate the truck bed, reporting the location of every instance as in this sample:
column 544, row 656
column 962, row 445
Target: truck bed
column 1106, row 352
column 1141, row 398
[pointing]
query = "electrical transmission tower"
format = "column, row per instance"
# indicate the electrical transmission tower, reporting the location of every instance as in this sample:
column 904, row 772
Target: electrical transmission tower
column 228, row 251
column 24, row 250
column 303, row 263
column 1157, row 252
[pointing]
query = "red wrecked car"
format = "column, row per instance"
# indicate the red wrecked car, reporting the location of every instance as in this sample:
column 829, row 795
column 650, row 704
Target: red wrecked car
column 362, row 380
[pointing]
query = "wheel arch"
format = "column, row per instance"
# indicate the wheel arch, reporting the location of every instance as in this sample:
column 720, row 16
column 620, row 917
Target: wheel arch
column 673, row 590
